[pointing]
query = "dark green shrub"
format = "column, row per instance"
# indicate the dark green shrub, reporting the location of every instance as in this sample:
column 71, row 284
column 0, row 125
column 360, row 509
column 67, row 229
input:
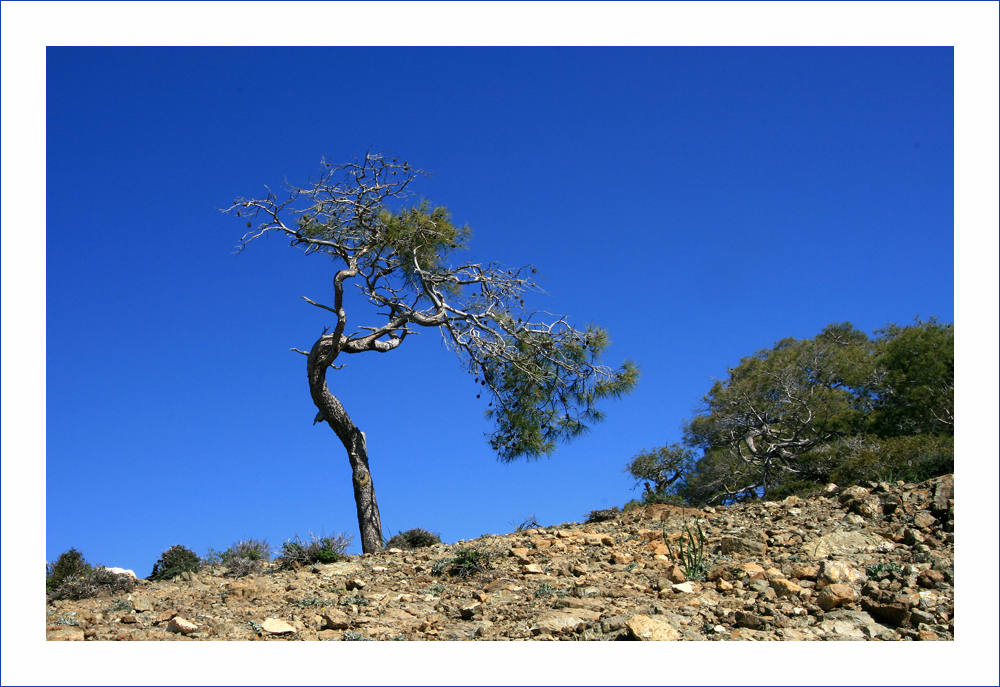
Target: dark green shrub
column 69, row 564
column 319, row 550
column 413, row 539
column 175, row 561
column 246, row 557
column 603, row 515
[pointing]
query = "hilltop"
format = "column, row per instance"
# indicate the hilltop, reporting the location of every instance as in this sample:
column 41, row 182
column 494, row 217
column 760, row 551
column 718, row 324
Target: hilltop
column 866, row 562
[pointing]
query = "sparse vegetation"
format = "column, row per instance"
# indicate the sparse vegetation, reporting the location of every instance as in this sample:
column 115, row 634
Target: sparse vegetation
column 528, row 523
column 175, row 561
column 246, row 557
column 324, row 549
column 97, row 581
column 603, row 514
column 466, row 561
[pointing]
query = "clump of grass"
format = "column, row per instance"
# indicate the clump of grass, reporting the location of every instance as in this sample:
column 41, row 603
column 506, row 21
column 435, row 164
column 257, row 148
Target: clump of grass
column 882, row 569
column 120, row 605
column 413, row 539
column 324, row 549
column 466, row 561
column 693, row 559
column 175, row 561
column 246, row 557
column 528, row 523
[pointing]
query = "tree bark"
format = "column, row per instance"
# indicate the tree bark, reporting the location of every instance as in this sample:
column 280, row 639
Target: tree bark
column 353, row 439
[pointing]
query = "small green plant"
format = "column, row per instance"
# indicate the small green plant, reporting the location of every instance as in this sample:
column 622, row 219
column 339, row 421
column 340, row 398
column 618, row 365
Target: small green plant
column 324, row 549
column 310, row 602
column 413, row 539
column 352, row 636
column 175, row 561
column 693, row 559
column 437, row 589
column 546, row 590
column 119, row 606
column 877, row 569
column 353, row 600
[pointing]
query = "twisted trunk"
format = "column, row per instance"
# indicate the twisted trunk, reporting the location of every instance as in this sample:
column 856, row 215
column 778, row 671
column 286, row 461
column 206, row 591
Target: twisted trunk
column 353, row 439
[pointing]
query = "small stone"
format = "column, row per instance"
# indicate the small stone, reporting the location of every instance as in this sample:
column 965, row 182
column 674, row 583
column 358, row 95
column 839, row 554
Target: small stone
column 179, row 624
column 142, row 603
column 834, row 595
column 645, row 629
column 838, row 572
column 683, row 588
column 675, row 574
column 355, row 584
column 532, row 569
column 724, row 586
column 274, row 626
column 783, row 587
column 470, row 610
column 336, row 620
column 924, row 520
column 930, row 578
column 747, row 547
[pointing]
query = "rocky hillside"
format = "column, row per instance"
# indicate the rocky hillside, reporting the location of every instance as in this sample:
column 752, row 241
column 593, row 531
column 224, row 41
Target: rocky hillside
column 872, row 562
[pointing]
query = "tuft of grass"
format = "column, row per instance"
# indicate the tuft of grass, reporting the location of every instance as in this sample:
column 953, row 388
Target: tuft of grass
column 693, row 559
column 528, row 523
column 546, row 590
column 466, row 561
column 323, row 549
column 246, row 557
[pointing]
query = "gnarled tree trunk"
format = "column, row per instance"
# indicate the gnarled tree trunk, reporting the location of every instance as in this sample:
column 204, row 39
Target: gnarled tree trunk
column 353, row 439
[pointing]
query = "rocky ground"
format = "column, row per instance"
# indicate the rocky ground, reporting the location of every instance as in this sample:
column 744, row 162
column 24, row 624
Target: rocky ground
column 871, row 562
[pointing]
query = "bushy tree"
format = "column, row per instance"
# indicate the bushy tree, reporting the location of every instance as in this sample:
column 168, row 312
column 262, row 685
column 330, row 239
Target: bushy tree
column 661, row 471
column 915, row 390
column 781, row 404
column 838, row 406
column 542, row 376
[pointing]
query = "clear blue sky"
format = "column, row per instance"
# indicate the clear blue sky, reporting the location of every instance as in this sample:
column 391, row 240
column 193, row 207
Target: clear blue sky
column 698, row 203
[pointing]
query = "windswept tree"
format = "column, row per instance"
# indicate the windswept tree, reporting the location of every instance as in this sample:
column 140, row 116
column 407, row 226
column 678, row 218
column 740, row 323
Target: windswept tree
column 542, row 376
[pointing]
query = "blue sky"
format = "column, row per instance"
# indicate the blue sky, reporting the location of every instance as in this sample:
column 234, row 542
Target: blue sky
column 699, row 203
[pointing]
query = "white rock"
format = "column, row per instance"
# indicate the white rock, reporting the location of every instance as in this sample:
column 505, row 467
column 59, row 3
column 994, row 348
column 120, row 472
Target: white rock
column 179, row 624
column 123, row 571
column 276, row 627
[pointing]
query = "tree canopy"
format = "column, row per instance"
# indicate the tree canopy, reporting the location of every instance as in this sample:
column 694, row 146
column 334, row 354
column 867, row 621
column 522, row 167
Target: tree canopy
column 839, row 405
